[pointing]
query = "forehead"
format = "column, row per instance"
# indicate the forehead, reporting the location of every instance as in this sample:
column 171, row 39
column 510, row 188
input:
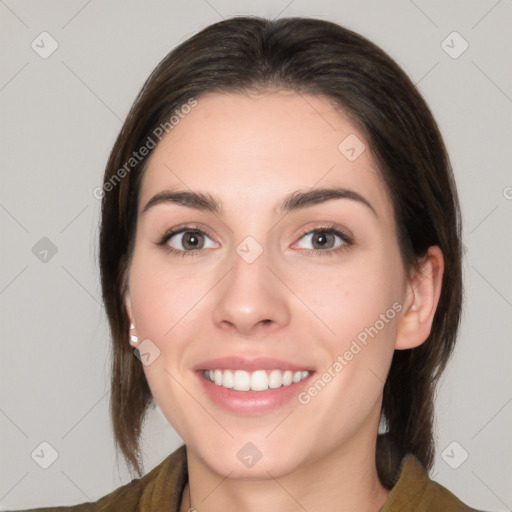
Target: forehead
column 255, row 149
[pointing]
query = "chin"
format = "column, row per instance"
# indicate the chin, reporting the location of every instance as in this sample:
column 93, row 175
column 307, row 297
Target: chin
column 245, row 459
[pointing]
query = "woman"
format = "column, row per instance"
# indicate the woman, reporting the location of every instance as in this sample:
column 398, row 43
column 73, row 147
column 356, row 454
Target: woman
column 280, row 249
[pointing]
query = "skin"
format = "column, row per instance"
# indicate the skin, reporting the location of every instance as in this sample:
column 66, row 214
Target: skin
column 250, row 151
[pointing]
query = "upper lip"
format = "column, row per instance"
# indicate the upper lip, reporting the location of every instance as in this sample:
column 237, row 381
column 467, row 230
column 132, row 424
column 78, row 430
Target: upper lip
column 249, row 365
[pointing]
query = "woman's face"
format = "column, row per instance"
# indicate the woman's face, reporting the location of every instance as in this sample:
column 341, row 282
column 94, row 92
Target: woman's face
column 269, row 286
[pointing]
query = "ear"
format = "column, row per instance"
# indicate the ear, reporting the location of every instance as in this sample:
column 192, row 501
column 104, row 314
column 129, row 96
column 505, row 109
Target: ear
column 133, row 331
column 128, row 305
column 421, row 300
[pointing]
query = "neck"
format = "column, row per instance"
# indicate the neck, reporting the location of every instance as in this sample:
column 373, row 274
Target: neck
column 339, row 482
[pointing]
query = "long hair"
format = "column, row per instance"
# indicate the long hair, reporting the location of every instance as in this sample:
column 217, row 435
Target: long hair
column 245, row 54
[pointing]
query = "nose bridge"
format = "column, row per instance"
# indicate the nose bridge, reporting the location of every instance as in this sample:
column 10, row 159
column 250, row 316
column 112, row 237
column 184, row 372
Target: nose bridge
column 251, row 295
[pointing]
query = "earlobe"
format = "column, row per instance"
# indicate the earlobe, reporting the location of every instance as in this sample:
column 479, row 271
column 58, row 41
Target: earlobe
column 421, row 301
column 134, row 339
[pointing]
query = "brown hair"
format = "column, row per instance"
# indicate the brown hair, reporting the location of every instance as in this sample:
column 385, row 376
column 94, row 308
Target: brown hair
column 244, row 54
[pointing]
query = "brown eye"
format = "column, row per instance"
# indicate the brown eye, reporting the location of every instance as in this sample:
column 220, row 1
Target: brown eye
column 324, row 240
column 188, row 240
column 192, row 240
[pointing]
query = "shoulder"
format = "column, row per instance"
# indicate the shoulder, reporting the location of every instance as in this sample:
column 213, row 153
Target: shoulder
column 415, row 491
column 163, row 484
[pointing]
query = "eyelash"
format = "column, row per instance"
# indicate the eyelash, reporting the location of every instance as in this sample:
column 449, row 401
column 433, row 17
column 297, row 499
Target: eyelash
column 347, row 240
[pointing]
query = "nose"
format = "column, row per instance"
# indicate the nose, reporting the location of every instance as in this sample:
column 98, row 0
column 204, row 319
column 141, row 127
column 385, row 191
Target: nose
column 251, row 298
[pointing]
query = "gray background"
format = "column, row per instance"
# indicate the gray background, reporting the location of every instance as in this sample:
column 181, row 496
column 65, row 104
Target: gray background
column 59, row 119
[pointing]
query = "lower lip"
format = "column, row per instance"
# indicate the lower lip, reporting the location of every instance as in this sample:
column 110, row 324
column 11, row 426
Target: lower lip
column 252, row 403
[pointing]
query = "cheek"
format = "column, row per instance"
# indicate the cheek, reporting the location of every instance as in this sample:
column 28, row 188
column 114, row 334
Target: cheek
column 352, row 297
column 356, row 348
column 164, row 302
column 359, row 306
column 162, row 297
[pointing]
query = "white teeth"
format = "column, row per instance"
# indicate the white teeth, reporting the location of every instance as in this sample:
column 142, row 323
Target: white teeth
column 275, row 379
column 228, row 379
column 259, row 380
column 242, row 381
column 287, row 378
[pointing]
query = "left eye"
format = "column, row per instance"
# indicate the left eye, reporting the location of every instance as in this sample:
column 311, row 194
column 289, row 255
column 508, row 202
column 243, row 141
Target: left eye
column 323, row 239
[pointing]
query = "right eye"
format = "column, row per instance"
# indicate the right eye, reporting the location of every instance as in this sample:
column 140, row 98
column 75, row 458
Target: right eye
column 186, row 241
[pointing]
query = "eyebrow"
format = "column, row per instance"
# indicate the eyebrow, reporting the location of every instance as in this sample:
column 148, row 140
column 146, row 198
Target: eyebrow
column 295, row 201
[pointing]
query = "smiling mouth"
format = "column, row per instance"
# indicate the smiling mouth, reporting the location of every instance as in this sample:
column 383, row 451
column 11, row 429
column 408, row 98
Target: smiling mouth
column 259, row 380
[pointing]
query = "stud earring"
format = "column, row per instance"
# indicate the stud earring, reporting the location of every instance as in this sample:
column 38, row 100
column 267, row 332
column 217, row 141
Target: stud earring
column 133, row 338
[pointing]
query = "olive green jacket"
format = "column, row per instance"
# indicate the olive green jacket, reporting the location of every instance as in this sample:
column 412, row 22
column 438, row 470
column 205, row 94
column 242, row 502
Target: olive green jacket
column 161, row 489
